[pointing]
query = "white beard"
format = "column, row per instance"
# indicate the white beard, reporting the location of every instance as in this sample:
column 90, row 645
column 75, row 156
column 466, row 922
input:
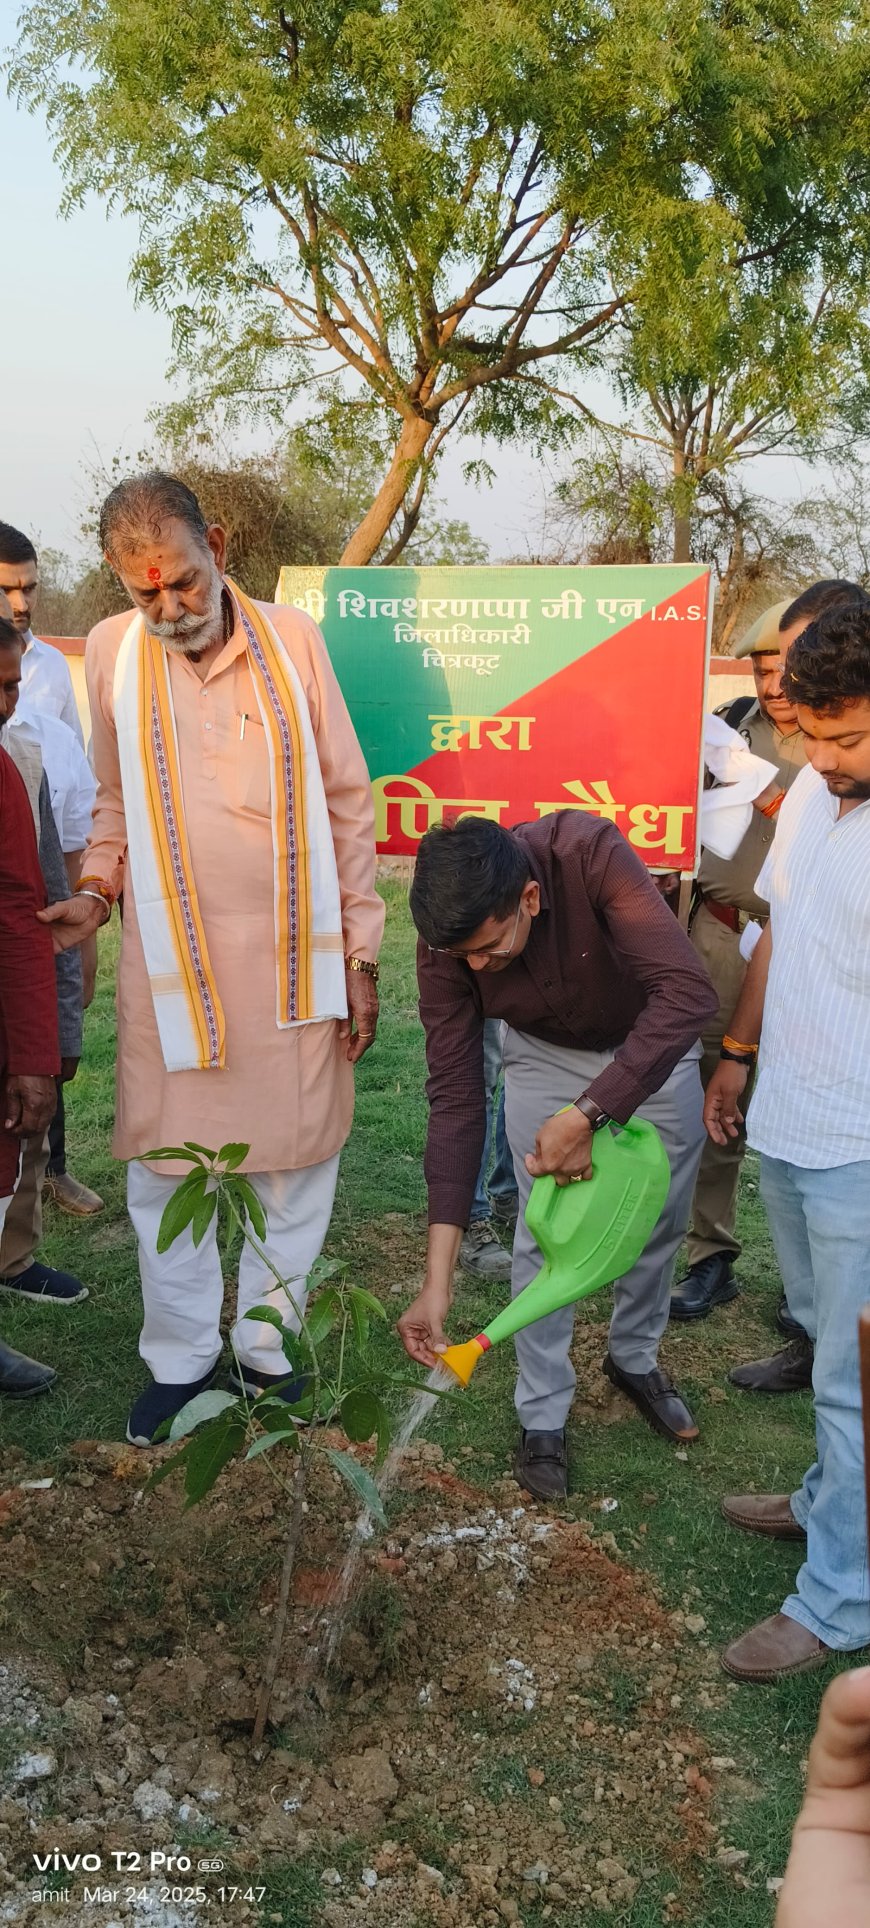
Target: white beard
column 191, row 634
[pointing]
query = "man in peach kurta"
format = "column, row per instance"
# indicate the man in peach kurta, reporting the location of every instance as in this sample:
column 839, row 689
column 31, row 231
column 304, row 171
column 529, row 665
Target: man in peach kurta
column 287, row 1092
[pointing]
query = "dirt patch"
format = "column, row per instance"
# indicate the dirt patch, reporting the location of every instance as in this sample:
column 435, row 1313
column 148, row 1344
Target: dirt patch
column 502, row 1730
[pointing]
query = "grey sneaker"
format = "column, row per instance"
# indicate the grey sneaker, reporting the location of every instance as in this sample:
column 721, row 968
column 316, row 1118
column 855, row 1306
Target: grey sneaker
column 482, row 1253
column 505, row 1207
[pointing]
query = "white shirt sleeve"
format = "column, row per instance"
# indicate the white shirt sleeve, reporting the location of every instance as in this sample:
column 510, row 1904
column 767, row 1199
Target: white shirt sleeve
column 81, row 795
column 70, row 712
column 47, row 684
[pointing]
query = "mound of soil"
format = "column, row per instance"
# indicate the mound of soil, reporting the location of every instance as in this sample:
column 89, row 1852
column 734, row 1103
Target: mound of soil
column 501, row 1730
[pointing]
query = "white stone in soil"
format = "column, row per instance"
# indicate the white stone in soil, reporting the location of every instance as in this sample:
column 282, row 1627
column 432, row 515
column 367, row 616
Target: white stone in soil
column 37, row 1766
column 152, row 1803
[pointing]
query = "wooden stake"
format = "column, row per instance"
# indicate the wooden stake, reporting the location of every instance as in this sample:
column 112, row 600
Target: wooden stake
column 864, row 1358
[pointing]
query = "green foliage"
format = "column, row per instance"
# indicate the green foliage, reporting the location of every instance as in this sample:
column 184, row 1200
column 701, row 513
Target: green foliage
column 434, row 212
column 620, row 505
column 360, row 1482
column 217, row 1426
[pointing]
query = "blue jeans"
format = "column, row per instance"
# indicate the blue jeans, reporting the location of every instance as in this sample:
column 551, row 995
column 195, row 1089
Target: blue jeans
column 502, row 1183
column 820, row 1221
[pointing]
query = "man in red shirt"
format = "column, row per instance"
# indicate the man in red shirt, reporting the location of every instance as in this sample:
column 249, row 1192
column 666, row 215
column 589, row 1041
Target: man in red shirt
column 29, row 1054
column 557, row 929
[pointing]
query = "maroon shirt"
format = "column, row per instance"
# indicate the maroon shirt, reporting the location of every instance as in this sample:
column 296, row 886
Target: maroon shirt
column 606, row 967
column 28, row 988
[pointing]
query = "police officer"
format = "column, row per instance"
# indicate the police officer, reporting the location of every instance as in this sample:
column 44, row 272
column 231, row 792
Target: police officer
column 725, row 901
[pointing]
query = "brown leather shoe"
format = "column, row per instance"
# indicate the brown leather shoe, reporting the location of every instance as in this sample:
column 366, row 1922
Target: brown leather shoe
column 541, row 1465
column 774, row 1649
column 69, row 1195
column 766, row 1513
column 656, row 1397
column 790, row 1370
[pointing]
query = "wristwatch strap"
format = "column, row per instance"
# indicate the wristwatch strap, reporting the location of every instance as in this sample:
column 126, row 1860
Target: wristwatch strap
column 591, row 1111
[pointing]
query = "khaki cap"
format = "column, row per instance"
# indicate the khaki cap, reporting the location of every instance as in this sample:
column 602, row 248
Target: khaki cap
column 763, row 638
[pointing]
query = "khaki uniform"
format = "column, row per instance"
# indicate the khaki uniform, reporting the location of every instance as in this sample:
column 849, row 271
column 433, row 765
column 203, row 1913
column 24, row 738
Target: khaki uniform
column 730, row 882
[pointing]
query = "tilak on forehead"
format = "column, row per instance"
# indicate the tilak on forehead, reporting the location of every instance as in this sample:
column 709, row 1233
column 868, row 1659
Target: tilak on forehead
column 155, row 577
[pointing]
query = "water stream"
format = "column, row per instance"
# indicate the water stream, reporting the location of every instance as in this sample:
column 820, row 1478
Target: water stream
column 328, row 1638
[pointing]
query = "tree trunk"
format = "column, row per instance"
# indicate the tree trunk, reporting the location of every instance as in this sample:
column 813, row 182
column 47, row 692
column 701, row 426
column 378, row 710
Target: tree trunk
column 682, row 521
column 682, row 539
column 366, row 539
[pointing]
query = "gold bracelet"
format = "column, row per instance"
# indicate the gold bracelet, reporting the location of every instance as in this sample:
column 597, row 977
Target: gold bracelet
column 362, row 964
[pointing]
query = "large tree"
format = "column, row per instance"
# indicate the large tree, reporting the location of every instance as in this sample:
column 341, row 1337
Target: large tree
column 618, row 506
column 437, row 212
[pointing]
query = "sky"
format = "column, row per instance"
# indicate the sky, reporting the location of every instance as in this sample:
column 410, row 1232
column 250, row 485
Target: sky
column 84, row 366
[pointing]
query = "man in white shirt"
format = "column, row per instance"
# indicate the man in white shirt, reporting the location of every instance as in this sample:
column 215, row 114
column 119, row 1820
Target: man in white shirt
column 810, row 1120
column 45, row 679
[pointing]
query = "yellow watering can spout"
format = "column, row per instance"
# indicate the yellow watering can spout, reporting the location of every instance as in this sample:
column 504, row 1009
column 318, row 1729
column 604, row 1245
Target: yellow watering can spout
column 463, row 1359
column 589, row 1234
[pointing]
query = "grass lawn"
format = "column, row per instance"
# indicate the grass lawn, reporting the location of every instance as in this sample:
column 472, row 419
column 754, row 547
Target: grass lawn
column 668, row 1508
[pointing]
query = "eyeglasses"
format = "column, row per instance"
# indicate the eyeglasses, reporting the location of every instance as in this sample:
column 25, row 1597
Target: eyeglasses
column 462, row 956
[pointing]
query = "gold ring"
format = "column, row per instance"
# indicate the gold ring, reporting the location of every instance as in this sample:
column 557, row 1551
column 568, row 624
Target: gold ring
column 365, row 1034
column 576, row 1178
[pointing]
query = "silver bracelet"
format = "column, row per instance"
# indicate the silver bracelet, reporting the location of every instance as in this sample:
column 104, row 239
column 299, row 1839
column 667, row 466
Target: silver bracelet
column 97, row 900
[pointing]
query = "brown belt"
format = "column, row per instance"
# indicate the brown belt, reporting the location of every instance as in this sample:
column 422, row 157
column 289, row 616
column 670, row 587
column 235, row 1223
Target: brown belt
column 726, row 914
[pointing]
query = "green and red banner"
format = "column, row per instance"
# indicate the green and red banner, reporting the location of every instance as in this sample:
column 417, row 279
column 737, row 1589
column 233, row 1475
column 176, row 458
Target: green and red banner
column 518, row 691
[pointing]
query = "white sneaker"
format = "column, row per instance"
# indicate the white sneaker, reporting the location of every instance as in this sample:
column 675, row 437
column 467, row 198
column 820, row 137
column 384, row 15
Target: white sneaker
column 482, row 1253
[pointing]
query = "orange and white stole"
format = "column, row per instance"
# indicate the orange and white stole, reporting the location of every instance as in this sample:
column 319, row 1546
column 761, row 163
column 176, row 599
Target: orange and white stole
column 309, row 952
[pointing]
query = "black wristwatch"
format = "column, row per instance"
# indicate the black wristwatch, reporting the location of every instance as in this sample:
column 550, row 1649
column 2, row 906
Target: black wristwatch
column 592, row 1112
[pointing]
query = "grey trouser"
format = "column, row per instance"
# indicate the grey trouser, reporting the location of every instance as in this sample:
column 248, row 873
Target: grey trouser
column 714, row 1209
column 539, row 1079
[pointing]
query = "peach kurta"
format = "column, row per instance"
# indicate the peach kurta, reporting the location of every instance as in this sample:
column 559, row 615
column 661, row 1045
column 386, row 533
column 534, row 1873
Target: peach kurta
column 288, row 1094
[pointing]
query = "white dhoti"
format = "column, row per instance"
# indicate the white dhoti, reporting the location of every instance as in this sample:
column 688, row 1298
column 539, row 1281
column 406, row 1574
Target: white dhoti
column 182, row 1289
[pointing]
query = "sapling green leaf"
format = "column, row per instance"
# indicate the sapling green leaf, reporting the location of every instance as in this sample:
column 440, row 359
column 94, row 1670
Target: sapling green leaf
column 360, row 1483
column 358, row 1295
column 205, row 1405
column 247, row 1202
column 321, row 1316
column 267, row 1315
column 210, row 1450
column 180, row 1209
column 232, row 1156
column 203, row 1215
column 267, row 1440
column 359, row 1414
column 359, row 1319
column 179, row 1155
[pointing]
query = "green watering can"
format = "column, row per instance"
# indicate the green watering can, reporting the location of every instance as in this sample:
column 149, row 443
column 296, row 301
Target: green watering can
column 590, row 1234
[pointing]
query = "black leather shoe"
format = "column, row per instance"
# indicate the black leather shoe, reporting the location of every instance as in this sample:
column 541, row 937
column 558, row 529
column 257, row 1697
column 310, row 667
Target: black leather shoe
column 787, row 1324
column 790, row 1370
column 541, row 1465
column 657, row 1398
column 709, row 1283
column 20, row 1377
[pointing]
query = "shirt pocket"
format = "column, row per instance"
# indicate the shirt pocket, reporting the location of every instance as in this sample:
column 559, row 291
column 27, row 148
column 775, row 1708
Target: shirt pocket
column 253, row 786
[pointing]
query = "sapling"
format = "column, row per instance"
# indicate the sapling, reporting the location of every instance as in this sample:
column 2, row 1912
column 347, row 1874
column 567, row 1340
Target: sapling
column 330, row 1381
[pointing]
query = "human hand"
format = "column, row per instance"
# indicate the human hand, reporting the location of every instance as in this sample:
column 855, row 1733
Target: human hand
column 421, row 1327
column 74, row 920
column 722, row 1115
column 68, row 1069
column 362, row 1005
column 30, row 1104
column 563, row 1146
column 827, row 1879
